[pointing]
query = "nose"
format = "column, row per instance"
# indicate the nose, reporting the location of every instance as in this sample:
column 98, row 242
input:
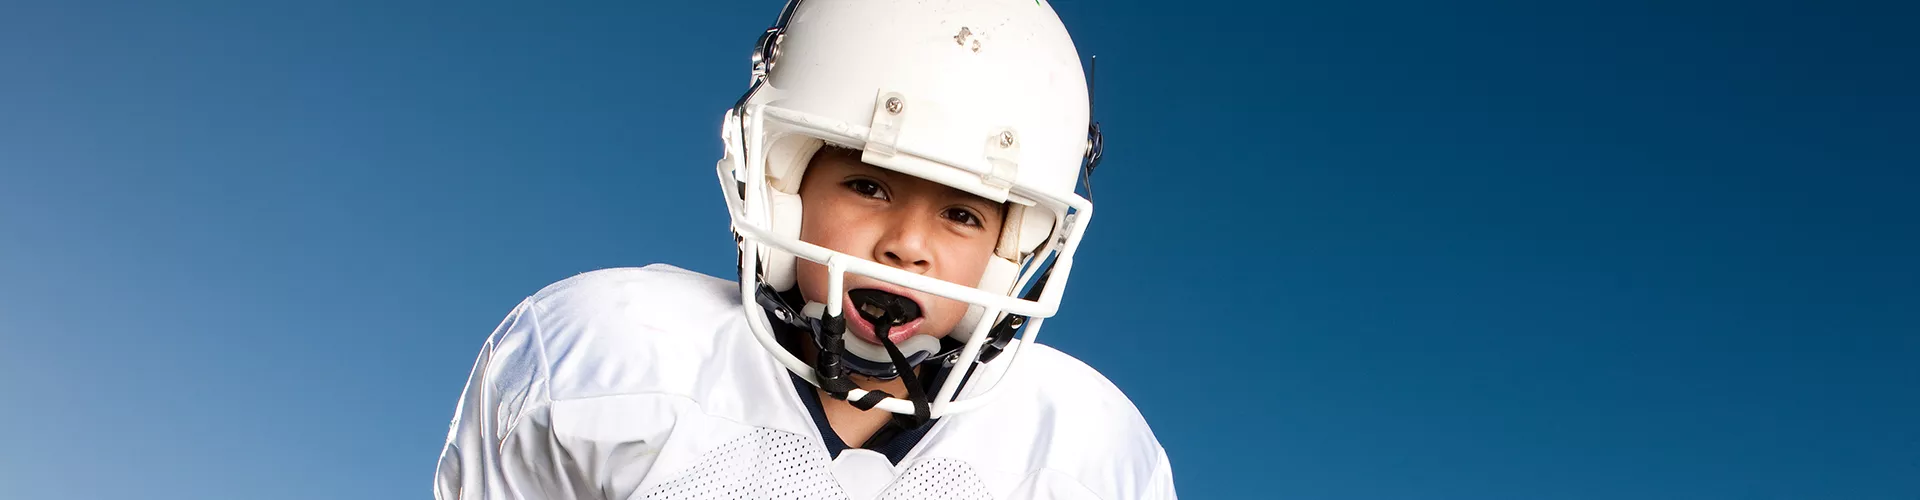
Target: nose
column 905, row 245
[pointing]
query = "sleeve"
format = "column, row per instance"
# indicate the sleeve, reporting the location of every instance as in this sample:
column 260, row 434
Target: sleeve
column 501, row 443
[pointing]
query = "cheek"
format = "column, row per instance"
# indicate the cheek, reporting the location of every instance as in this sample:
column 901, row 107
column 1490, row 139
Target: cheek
column 966, row 260
column 827, row 226
column 963, row 267
column 811, row 278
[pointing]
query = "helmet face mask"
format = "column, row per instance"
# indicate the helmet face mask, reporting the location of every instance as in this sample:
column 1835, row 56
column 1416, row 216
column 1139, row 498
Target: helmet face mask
column 986, row 97
column 899, row 220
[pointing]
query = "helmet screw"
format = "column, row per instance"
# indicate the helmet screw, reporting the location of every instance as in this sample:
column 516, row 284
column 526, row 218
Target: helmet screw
column 1006, row 139
column 894, row 105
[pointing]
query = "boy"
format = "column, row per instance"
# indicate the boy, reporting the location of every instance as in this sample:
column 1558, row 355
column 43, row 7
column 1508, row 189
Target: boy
column 901, row 179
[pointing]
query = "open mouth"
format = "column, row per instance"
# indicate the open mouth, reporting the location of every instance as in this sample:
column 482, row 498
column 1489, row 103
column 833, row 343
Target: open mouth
column 874, row 310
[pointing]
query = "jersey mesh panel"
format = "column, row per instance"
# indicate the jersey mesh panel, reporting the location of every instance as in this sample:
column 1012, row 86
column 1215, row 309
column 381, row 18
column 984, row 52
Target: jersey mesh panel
column 766, row 464
column 771, row 464
column 938, row 479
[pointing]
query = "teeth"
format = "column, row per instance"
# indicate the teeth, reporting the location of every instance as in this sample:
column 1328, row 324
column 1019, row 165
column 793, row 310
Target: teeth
column 873, row 310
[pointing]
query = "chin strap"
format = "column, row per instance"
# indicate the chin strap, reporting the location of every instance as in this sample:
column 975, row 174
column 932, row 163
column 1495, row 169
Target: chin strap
column 830, row 364
column 922, row 411
column 885, row 311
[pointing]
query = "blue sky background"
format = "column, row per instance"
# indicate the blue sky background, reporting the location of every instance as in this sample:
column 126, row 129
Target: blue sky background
column 1345, row 250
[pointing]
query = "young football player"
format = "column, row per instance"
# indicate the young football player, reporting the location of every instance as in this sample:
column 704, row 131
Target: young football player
column 901, row 178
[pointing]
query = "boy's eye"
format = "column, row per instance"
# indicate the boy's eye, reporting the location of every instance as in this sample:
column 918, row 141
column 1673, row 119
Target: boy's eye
column 866, row 188
column 962, row 216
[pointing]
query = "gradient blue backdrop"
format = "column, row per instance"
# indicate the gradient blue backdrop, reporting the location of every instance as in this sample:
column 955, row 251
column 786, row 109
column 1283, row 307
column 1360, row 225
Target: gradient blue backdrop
column 1345, row 250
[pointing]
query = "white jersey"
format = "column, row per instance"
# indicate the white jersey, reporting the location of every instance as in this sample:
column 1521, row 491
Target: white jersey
column 647, row 384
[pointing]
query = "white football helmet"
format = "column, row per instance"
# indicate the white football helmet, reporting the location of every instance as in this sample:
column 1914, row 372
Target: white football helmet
column 985, row 96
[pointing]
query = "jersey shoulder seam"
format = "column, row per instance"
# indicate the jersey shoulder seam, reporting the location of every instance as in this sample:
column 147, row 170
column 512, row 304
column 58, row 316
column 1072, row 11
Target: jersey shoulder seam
column 542, row 374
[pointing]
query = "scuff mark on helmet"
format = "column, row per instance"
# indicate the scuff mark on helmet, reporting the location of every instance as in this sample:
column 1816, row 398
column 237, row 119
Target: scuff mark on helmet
column 965, row 35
